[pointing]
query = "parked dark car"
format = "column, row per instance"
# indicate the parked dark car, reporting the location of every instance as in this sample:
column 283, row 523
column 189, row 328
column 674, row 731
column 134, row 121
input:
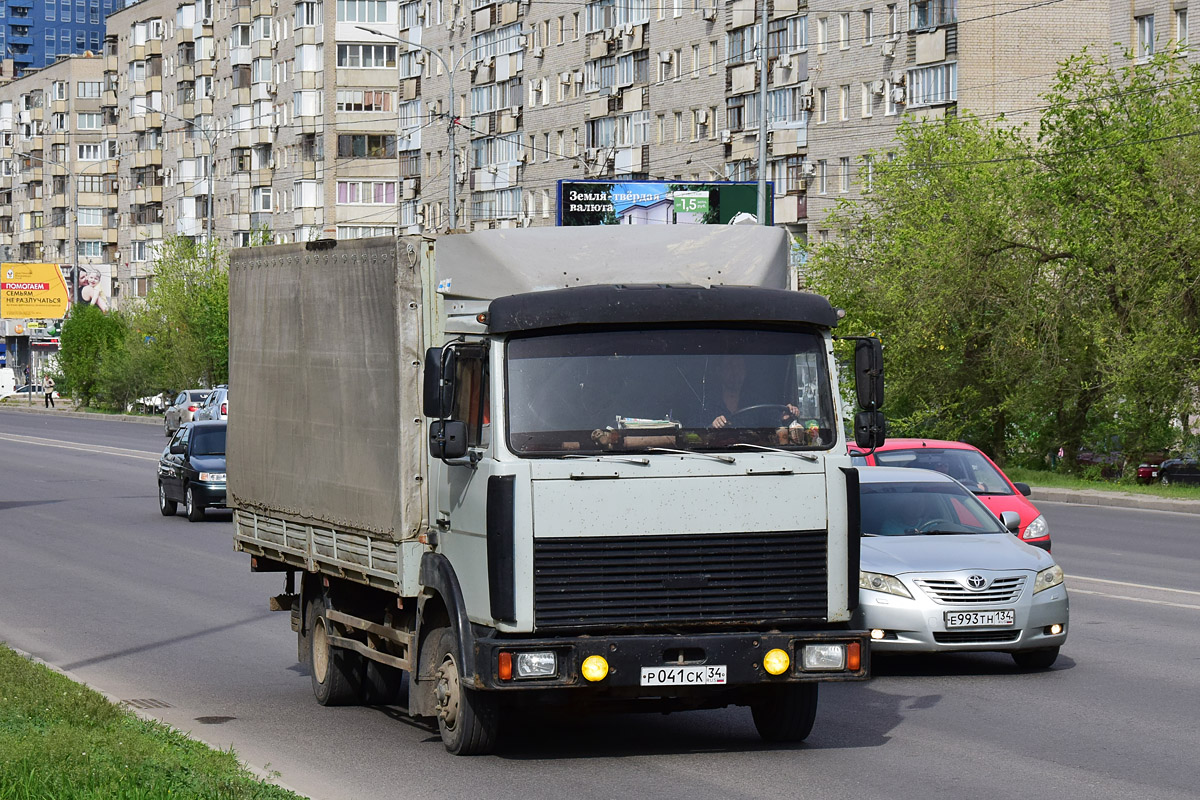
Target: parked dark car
column 1185, row 469
column 192, row 470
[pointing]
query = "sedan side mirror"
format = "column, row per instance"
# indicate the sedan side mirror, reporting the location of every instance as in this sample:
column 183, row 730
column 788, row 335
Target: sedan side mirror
column 1011, row 520
column 178, row 448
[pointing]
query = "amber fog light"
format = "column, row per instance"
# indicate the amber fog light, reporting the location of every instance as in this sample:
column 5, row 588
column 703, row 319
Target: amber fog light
column 776, row 662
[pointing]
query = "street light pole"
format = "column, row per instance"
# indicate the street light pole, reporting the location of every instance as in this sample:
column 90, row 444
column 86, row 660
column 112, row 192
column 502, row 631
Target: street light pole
column 762, row 116
column 450, row 70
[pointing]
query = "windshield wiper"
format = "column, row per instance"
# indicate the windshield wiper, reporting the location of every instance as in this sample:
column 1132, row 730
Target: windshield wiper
column 796, row 453
column 627, row 459
column 722, row 459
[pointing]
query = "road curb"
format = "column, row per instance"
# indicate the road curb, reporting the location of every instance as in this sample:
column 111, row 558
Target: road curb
column 1094, row 497
column 262, row 774
column 73, row 412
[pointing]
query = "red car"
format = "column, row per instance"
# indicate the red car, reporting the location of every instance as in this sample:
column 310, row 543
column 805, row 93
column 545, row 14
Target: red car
column 970, row 467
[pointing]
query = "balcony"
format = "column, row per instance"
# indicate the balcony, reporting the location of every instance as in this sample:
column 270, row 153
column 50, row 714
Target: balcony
column 147, row 158
column 147, row 194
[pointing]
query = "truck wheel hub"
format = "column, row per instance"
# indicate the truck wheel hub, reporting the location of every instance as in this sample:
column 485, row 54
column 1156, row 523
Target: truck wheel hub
column 447, row 692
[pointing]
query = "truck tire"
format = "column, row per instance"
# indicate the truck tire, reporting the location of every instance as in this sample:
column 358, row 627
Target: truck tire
column 166, row 507
column 382, row 685
column 785, row 713
column 1042, row 658
column 195, row 511
column 335, row 672
column 468, row 720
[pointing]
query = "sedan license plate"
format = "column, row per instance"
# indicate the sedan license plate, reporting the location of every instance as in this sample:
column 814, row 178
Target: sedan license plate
column 980, row 619
column 684, row 676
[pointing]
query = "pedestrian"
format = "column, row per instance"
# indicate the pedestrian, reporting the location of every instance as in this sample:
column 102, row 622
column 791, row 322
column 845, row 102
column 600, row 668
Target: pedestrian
column 48, row 385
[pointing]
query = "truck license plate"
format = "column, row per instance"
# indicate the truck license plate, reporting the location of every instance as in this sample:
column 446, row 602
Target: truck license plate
column 683, row 676
column 980, row 619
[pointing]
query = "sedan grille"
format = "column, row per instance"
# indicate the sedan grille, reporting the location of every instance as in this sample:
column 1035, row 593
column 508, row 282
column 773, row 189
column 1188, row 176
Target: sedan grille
column 954, row 592
column 679, row 580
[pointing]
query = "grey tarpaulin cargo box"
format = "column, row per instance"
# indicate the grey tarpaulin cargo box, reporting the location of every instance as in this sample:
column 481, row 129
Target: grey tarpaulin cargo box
column 325, row 349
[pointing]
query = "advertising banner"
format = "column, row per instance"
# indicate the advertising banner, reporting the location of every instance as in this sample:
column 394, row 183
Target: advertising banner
column 659, row 202
column 32, row 291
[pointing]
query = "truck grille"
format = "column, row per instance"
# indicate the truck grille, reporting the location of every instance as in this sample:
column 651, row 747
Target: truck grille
column 672, row 580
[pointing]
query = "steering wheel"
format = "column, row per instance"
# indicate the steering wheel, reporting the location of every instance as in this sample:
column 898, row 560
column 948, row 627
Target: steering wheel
column 759, row 407
column 931, row 525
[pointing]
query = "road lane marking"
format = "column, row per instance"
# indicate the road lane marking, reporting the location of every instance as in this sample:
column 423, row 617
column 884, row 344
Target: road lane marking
column 98, row 449
column 1136, row 599
column 1133, row 585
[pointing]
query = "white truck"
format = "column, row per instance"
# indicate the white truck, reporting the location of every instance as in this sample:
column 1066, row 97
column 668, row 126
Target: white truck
column 599, row 467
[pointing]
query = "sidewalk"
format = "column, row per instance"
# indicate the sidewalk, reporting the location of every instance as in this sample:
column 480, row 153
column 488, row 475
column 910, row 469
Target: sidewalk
column 67, row 408
column 1114, row 499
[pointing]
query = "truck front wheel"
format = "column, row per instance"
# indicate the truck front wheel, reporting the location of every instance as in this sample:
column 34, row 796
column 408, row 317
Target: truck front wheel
column 468, row 720
column 785, row 713
column 335, row 671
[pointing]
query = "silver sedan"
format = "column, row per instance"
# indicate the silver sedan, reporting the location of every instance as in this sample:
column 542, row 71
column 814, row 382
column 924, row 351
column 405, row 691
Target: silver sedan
column 940, row 573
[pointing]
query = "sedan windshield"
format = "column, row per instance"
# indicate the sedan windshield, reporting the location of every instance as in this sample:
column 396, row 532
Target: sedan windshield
column 624, row 391
column 968, row 467
column 918, row 509
column 208, row 442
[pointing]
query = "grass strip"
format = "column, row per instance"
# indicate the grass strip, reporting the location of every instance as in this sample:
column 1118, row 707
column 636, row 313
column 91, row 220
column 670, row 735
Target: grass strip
column 1060, row 480
column 60, row 740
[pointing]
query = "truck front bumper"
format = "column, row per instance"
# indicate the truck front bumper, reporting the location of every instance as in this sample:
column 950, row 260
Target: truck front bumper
column 741, row 654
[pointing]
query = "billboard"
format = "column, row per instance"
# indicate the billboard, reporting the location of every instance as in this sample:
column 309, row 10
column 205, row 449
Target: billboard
column 659, row 202
column 35, row 291
column 95, row 284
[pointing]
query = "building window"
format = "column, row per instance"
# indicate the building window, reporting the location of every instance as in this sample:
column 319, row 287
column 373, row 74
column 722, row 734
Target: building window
column 89, row 121
column 366, row 145
column 932, row 13
column 844, row 105
column 364, row 231
column 90, row 217
column 1145, row 36
column 90, row 183
column 88, row 89
column 868, row 172
column 90, row 152
column 822, row 34
column 822, row 176
column 1181, row 29
column 308, row 14
column 822, row 105
column 367, row 56
column 844, row 167
column 868, row 19
column 843, row 31
column 866, row 99
column 362, row 11
column 936, row 85
column 90, row 248
column 366, row 192
column 260, row 198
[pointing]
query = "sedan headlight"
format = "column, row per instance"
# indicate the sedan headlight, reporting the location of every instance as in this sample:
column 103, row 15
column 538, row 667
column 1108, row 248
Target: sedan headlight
column 878, row 582
column 1038, row 529
column 212, row 477
column 1048, row 578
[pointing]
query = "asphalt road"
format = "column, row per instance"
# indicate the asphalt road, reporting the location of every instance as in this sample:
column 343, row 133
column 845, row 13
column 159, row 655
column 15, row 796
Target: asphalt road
column 164, row 614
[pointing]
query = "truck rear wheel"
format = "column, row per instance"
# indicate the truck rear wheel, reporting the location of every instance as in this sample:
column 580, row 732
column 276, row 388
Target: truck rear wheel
column 785, row 713
column 468, row 720
column 335, row 671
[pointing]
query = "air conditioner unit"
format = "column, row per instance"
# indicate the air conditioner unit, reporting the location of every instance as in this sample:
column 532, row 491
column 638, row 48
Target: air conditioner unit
column 564, row 77
column 206, row 21
column 702, row 117
column 709, row 14
column 888, row 50
column 785, row 61
column 878, row 87
column 896, row 77
column 665, row 56
column 539, row 52
column 808, row 169
column 805, row 102
column 897, row 94
column 726, row 137
column 806, row 88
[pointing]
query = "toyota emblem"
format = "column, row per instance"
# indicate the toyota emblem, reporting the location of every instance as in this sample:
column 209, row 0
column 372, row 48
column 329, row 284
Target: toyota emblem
column 976, row 583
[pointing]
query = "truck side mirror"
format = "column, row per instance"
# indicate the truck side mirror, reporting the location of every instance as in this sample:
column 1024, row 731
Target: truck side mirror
column 868, row 373
column 448, row 439
column 438, row 383
column 869, row 429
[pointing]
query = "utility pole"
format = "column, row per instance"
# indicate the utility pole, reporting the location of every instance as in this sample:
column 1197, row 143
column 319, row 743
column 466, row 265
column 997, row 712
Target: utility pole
column 762, row 116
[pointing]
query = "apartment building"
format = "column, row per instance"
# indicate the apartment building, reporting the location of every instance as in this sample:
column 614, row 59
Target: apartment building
column 58, row 171
column 35, row 33
column 299, row 119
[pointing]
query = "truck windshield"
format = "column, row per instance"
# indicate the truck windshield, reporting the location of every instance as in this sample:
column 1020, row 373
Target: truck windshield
column 691, row 389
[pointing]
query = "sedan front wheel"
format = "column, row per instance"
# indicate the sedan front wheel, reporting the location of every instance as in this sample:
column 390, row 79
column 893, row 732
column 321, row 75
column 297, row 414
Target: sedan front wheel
column 166, row 507
column 195, row 511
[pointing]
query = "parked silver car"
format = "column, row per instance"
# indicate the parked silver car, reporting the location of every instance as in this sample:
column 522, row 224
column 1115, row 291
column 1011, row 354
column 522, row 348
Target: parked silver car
column 182, row 408
column 216, row 405
column 940, row 573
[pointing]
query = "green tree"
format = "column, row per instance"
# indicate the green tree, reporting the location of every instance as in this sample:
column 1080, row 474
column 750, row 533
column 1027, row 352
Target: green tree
column 88, row 337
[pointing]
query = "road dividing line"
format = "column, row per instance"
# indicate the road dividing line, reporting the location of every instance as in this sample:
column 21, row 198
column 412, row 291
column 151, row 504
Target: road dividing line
column 1132, row 585
column 1136, row 599
column 96, row 449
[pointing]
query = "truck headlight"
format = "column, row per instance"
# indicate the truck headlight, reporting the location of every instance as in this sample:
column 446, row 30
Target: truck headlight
column 824, row 656
column 878, row 582
column 1038, row 529
column 537, row 665
column 212, row 477
column 1048, row 578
